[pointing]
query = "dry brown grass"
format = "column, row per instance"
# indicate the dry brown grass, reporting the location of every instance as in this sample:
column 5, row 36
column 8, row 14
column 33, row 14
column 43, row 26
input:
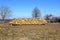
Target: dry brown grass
column 30, row 32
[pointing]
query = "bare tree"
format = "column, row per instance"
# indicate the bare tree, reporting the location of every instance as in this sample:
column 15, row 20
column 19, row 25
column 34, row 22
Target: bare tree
column 5, row 12
column 36, row 13
column 49, row 17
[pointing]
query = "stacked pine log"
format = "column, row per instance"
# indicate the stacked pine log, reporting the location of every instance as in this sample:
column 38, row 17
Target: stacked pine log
column 28, row 21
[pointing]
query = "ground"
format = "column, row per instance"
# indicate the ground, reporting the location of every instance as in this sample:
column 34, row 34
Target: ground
column 50, row 31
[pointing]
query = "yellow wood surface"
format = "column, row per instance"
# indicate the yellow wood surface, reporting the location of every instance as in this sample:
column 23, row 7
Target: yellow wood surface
column 28, row 21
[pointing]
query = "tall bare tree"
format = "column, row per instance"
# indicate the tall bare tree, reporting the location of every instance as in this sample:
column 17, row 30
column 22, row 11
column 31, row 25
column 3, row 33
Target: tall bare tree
column 36, row 13
column 5, row 12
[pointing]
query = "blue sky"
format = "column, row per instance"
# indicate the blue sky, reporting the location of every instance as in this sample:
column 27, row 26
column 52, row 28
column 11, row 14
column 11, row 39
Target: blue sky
column 23, row 8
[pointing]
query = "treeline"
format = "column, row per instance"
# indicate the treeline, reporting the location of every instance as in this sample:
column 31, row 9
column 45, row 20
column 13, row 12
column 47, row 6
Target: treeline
column 5, row 13
column 52, row 19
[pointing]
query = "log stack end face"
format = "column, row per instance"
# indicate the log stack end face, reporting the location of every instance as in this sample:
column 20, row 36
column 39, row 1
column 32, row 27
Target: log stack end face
column 28, row 21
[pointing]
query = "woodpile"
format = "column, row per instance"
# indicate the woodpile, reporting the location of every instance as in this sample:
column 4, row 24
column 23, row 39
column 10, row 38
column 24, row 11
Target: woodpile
column 28, row 21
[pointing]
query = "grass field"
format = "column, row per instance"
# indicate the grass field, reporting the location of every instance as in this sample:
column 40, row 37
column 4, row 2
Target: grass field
column 30, row 32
